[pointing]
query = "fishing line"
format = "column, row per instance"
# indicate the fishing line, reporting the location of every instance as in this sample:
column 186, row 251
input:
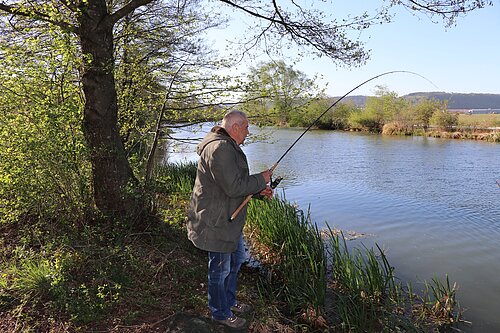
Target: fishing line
column 236, row 212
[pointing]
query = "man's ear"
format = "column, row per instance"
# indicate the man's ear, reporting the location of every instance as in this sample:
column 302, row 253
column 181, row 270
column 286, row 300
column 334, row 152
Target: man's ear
column 231, row 130
column 234, row 128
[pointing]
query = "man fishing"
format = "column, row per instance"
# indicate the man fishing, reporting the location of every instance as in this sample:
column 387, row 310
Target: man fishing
column 222, row 183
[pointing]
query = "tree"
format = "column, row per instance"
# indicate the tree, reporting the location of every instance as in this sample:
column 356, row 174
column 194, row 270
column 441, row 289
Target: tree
column 424, row 109
column 383, row 108
column 93, row 22
column 278, row 90
column 341, row 113
column 444, row 120
column 159, row 58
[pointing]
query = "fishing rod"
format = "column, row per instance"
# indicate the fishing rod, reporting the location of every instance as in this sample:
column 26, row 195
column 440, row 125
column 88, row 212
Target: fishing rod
column 237, row 211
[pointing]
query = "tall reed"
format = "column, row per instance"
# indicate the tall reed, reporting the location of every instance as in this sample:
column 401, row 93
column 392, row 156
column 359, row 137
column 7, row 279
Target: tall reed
column 295, row 249
column 364, row 287
column 439, row 302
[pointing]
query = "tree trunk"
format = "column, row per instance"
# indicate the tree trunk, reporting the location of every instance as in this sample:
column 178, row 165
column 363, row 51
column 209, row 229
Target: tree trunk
column 114, row 184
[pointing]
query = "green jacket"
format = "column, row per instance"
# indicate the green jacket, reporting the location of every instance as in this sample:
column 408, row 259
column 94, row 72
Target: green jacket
column 222, row 183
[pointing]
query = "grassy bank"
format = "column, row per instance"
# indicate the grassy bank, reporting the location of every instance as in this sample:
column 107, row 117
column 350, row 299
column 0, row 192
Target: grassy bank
column 479, row 120
column 463, row 133
column 482, row 127
column 117, row 280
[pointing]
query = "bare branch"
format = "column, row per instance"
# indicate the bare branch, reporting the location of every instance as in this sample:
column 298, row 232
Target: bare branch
column 447, row 7
column 448, row 10
column 307, row 28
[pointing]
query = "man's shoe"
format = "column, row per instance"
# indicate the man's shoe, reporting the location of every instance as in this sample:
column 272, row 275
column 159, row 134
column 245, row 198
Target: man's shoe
column 241, row 308
column 233, row 322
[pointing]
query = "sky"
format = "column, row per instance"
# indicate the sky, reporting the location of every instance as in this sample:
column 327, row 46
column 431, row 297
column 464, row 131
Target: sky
column 464, row 58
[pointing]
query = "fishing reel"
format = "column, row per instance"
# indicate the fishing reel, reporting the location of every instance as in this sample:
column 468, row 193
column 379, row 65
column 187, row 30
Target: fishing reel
column 275, row 182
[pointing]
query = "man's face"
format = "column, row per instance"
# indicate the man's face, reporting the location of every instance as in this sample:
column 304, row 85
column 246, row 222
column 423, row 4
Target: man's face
column 240, row 132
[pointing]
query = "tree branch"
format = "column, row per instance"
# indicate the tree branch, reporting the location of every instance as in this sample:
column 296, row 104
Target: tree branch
column 448, row 7
column 127, row 9
column 307, row 29
column 19, row 10
column 449, row 10
column 232, row 4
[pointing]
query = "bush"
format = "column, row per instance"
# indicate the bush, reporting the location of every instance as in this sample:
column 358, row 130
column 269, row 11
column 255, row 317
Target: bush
column 396, row 128
column 444, row 120
column 365, row 121
column 44, row 168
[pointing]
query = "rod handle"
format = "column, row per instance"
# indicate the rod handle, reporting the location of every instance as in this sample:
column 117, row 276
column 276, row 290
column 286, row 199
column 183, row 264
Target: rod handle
column 237, row 211
column 247, row 199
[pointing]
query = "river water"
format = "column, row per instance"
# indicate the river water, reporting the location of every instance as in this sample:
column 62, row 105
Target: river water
column 432, row 204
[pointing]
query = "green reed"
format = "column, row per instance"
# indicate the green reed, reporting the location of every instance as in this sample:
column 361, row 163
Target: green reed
column 175, row 177
column 368, row 297
column 364, row 286
column 439, row 302
column 296, row 248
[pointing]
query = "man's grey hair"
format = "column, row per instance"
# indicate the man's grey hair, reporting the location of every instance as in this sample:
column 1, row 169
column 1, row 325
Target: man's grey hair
column 233, row 117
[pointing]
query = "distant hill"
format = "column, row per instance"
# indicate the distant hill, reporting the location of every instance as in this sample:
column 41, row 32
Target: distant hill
column 359, row 100
column 462, row 101
column 455, row 100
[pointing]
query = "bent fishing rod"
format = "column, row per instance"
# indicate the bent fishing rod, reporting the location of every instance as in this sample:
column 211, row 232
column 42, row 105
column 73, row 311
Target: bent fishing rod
column 237, row 211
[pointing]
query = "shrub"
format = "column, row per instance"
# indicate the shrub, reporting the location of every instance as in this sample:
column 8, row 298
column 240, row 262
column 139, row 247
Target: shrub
column 444, row 120
column 365, row 121
column 396, row 128
column 44, row 168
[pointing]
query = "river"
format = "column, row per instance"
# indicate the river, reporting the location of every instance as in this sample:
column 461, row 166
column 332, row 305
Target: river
column 432, row 204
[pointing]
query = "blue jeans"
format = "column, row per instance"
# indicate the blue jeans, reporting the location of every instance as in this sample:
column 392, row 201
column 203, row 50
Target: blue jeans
column 223, row 271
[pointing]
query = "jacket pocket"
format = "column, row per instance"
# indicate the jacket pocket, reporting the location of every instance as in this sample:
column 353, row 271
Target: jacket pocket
column 221, row 215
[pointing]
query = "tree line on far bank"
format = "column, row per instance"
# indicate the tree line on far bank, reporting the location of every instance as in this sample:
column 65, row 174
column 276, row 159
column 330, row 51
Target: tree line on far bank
column 284, row 96
column 279, row 95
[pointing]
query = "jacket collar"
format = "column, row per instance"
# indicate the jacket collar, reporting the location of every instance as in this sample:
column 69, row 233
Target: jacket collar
column 221, row 131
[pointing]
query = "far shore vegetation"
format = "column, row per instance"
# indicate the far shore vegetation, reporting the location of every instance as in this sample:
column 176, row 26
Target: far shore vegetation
column 287, row 97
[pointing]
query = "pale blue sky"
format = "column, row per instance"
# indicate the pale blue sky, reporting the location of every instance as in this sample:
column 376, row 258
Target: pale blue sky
column 463, row 59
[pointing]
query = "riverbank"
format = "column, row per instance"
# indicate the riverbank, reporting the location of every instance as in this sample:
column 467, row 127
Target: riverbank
column 461, row 133
column 484, row 127
column 118, row 280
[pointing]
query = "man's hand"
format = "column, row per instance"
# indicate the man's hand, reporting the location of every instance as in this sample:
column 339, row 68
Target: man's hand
column 267, row 192
column 267, row 175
